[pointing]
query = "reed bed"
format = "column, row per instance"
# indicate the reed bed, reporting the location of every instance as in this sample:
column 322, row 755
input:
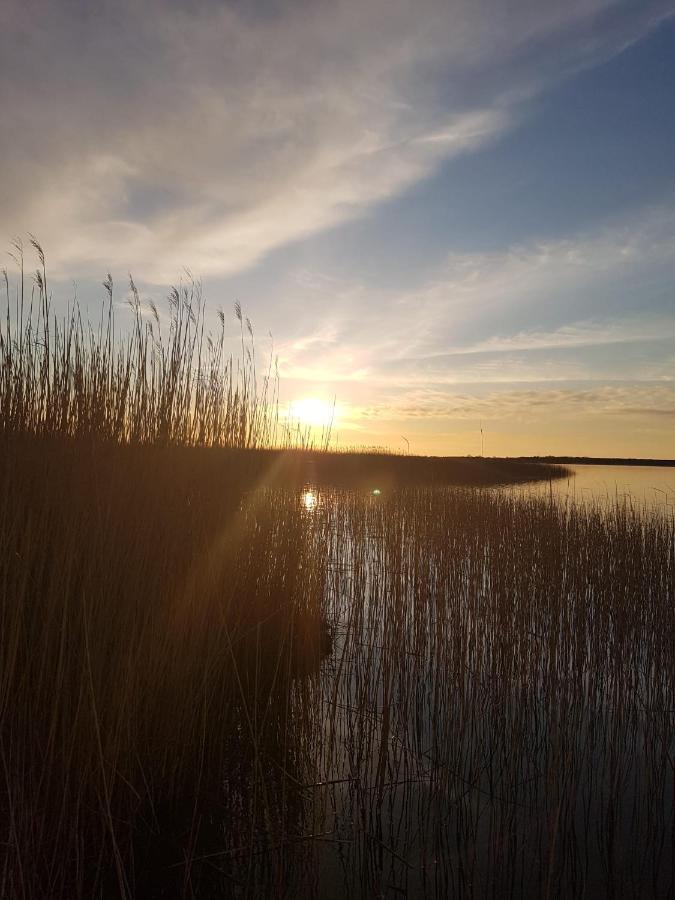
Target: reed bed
column 436, row 692
column 150, row 620
column 167, row 380
column 161, row 379
column 220, row 677
column 500, row 710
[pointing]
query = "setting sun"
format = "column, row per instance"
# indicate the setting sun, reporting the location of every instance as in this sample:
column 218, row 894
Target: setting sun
column 312, row 411
column 370, row 593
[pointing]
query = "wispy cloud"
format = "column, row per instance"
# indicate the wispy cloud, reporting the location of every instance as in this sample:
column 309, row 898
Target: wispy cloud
column 148, row 136
column 540, row 312
column 579, row 334
column 547, row 282
column 531, row 405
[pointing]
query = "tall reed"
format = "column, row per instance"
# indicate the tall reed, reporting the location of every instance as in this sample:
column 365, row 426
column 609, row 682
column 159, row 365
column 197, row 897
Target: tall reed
column 151, row 381
column 432, row 692
column 214, row 686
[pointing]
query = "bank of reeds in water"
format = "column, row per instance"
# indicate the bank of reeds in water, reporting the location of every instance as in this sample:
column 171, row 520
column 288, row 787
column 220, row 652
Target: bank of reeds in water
column 213, row 687
column 437, row 692
column 151, row 624
column 159, row 379
column 499, row 718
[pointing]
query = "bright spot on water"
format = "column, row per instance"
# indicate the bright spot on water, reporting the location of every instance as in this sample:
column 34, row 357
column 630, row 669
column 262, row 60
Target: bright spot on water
column 377, row 492
column 309, row 500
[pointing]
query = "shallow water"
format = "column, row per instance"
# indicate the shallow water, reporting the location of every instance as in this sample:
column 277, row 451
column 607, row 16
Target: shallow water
column 421, row 692
column 650, row 488
column 495, row 715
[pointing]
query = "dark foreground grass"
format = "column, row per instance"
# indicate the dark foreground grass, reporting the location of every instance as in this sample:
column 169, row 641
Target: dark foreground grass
column 149, row 620
column 210, row 688
column 228, row 670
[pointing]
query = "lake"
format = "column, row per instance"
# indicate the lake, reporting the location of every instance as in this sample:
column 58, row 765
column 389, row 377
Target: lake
column 495, row 717
column 645, row 487
column 322, row 693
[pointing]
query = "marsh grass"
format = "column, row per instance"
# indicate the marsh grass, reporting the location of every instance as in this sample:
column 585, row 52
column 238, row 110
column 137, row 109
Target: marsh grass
column 502, row 708
column 436, row 692
column 147, row 619
column 166, row 380
column 159, row 379
column 209, row 688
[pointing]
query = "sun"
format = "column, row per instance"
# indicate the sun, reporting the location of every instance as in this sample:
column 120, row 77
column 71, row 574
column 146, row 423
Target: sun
column 312, row 411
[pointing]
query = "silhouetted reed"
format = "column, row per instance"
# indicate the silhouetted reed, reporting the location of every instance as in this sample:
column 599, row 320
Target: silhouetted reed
column 153, row 381
column 434, row 691
column 221, row 678
column 151, row 621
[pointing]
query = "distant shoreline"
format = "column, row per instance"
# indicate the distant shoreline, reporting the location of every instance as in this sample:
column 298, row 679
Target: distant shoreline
column 595, row 461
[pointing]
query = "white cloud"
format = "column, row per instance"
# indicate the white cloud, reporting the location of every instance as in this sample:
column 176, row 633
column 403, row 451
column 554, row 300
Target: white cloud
column 579, row 334
column 533, row 405
column 465, row 324
column 481, row 287
column 146, row 136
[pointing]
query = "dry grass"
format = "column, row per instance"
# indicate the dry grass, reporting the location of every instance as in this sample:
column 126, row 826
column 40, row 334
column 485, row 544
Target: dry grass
column 170, row 382
column 157, row 381
column 494, row 713
column 147, row 621
column 209, row 688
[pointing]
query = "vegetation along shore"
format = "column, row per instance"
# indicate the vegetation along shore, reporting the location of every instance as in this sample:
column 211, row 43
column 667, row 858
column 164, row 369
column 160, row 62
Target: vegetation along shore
column 236, row 664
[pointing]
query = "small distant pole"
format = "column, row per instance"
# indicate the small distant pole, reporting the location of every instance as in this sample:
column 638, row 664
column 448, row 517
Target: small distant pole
column 407, row 443
column 482, row 441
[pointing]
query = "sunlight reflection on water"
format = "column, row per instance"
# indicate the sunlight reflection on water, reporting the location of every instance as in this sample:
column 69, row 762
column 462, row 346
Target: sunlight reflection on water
column 644, row 488
column 309, row 500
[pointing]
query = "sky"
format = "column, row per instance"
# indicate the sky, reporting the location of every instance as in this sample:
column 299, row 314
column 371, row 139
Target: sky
column 449, row 215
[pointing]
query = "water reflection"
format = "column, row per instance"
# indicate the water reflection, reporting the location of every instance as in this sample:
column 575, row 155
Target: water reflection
column 471, row 703
column 309, row 500
column 441, row 693
column 471, row 712
column 645, row 489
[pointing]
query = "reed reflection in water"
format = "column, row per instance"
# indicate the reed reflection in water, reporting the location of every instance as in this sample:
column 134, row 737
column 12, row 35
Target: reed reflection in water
column 497, row 713
column 425, row 693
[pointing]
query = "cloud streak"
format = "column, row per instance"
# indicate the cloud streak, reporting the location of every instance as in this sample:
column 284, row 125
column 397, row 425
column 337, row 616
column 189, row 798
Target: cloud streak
column 532, row 405
column 532, row 313
column 147, row 136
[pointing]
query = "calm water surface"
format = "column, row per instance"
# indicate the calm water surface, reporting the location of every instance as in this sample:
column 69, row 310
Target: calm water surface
column 484, row 706
column 646, row 487
column 495, row 718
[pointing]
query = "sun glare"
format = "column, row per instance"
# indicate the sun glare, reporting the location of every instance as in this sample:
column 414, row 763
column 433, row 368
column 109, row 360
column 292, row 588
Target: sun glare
column 309, row 500
column 312, row 411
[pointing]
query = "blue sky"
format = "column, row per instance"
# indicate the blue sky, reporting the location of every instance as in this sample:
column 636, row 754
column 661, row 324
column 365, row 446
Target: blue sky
column 446, row 213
